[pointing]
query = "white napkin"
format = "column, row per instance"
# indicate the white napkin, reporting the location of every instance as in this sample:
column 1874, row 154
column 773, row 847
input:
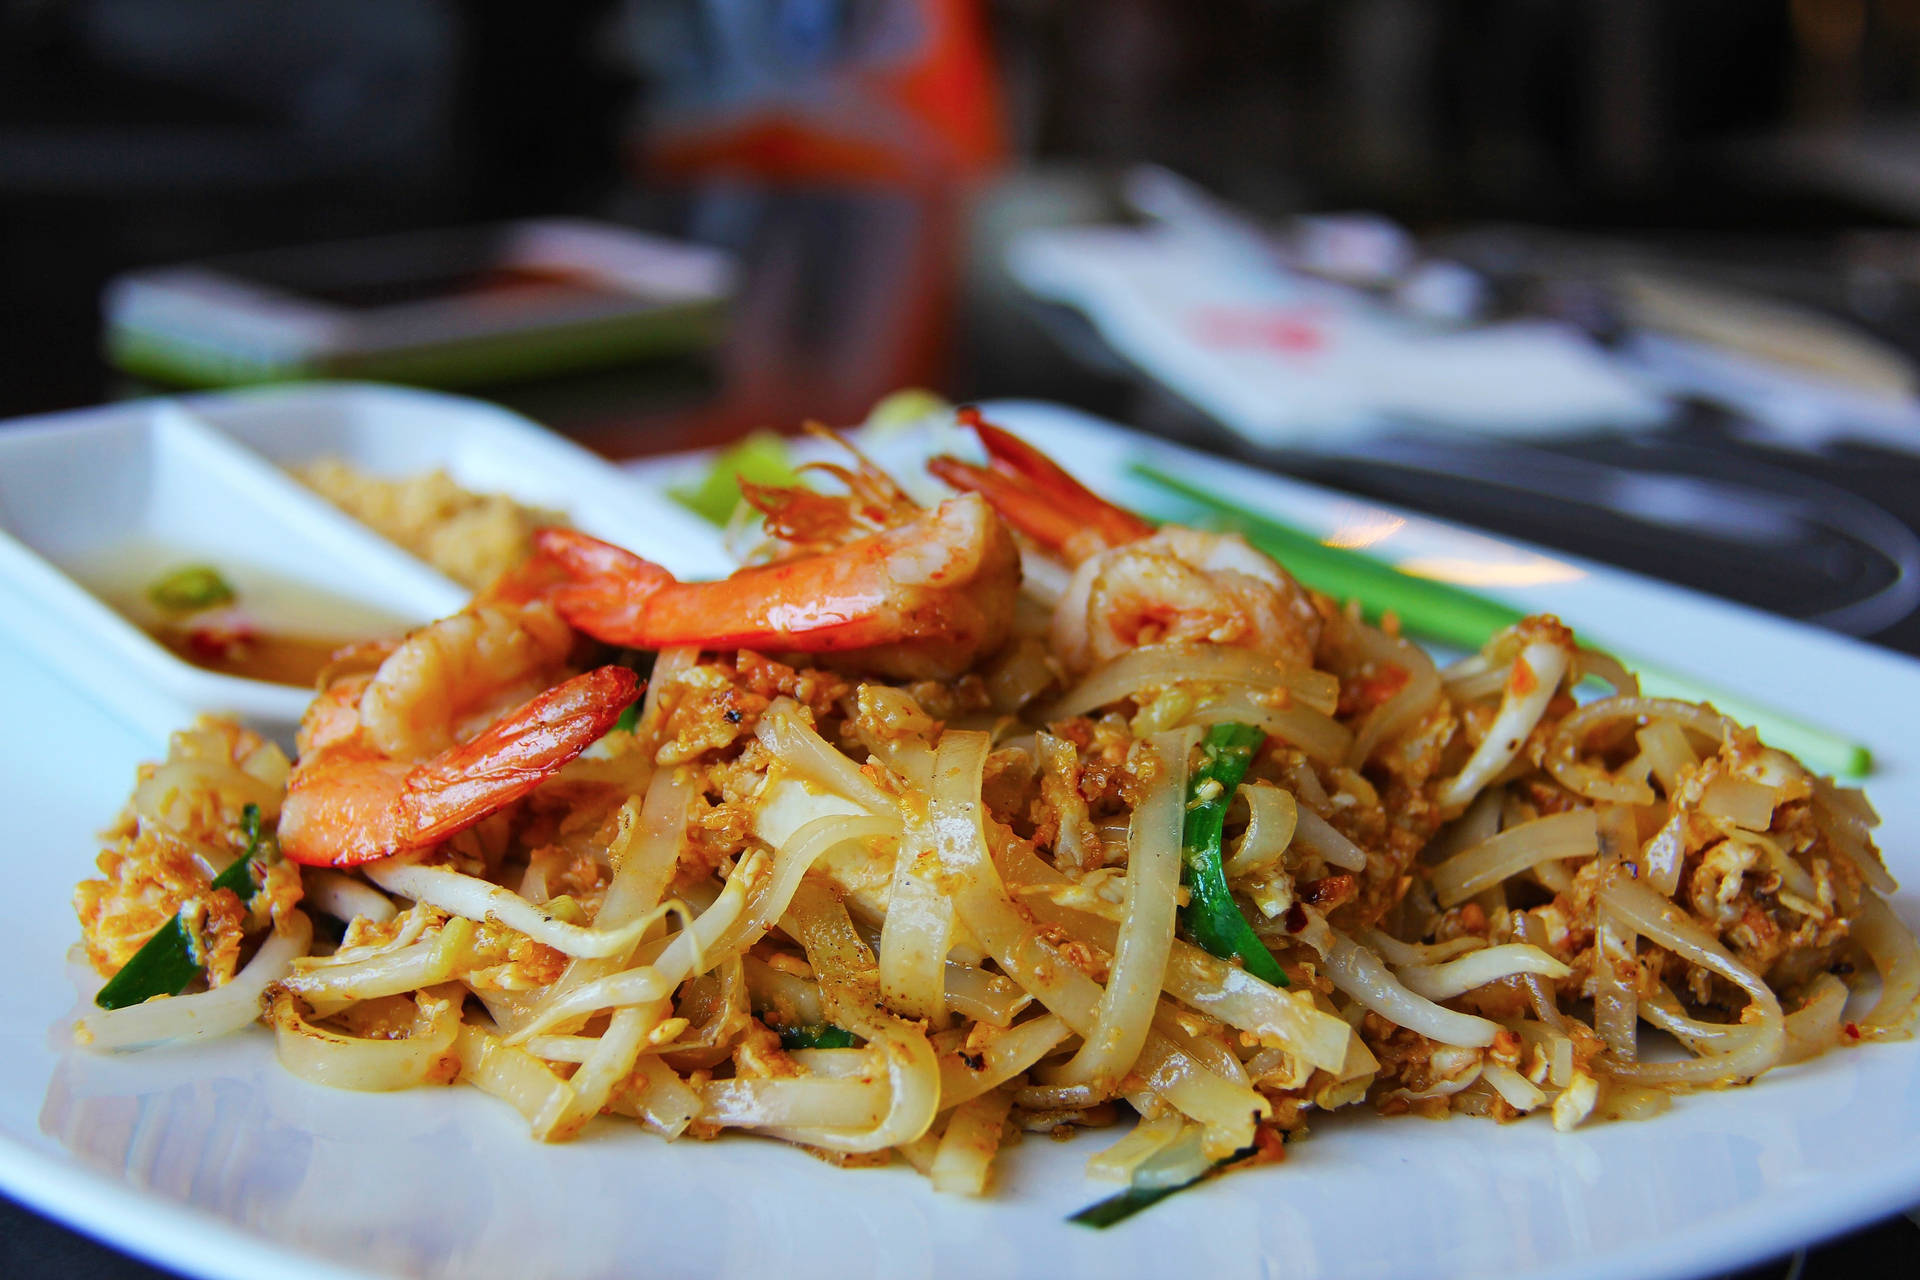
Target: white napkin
column 1285, row 359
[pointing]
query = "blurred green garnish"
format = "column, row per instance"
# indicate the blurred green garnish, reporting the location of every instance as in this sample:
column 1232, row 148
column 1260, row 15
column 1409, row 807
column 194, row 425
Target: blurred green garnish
column 191, row 588
column 761, row 458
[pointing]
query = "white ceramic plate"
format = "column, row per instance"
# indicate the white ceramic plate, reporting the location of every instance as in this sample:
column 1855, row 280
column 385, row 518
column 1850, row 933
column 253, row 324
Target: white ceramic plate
column 216, row 1162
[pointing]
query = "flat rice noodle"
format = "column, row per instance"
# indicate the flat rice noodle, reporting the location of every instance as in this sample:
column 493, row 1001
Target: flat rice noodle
column 1741, row 801
column 794, row 1103
column 205, row 1014
column 1530, row 931
column 837, row 1064
column 1521, row 706
column 1574, row 834
column 1179, row 1162
column 1520, row 1093
column 1896, row 955
column 1145, row 935
column 1851, row 835
column 1668, row 753
column 1316, row 835
column 981, row 899
column 1319, row 735
column 1409, row 703
column 844, row 967
column 918, row 928
column 1563, row 752
column 1664, row 1010
column 793, row 858
column 785, row 733
column 985, row 997
column 795, row 999
column 1162, row 666
column 1401, row 954
column 440, row 958
column 1478, row 968
column 1272, row 816
column 1287, row 1020
column 1005, row 1057
column 645, row 853
column 1480, row 822
column 515, row 1076
column 606, row 1066
column 1656, row 919
column 658, row 1098
column 1284, row 1019
column 1117, row 1162
column 352, row 1062
column 1207, row 1049
column 972, row 1139
column 343, row 897
column 690, row 951
column 1474, row 678
column 1364, row 976
column 1814, row 1027
column 482, row 900
column 1615, row 1004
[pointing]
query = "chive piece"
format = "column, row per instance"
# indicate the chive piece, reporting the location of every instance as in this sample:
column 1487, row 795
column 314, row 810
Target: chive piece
column 629, row 719
column 761, row 458
column 820, row 1035
column 165, row 964
column 1442, row 612
column 1211, row 915
column 1124, row 1204
column 191, row 588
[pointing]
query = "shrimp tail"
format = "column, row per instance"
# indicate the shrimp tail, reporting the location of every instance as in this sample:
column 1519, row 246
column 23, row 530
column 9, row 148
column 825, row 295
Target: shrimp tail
column 1037, row 496
column 354, row 805
column 603, row 590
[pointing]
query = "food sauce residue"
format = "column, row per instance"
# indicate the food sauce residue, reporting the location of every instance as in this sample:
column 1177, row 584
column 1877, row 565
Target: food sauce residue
column 271, row 627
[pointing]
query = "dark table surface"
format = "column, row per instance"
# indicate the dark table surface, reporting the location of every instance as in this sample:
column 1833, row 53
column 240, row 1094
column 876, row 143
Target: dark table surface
column 809, row 343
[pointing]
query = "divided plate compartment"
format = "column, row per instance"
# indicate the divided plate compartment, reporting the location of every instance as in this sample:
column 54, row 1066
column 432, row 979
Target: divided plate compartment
column 77, row 488
column 204, row 477
column 397, row 431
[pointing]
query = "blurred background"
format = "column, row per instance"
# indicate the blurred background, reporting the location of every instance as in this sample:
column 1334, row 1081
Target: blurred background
column 1588, row 272
column 1599, row 245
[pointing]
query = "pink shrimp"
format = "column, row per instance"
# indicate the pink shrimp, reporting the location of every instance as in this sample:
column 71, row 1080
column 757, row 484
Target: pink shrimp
column 1038, row 497
column 1133, row 584
column 349, row 802
column 921, row 600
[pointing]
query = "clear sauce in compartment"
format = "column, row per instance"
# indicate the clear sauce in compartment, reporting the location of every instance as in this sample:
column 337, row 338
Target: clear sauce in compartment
column 273, row 628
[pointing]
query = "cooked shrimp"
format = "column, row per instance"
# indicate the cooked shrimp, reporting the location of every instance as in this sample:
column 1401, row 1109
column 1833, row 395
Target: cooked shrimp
column 921, row 600
column 452, row 726
column 350, row 802
column 1132, row 585
column 471, row 664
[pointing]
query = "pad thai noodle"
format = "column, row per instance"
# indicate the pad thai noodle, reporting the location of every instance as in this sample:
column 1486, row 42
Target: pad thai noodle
column 933, row 824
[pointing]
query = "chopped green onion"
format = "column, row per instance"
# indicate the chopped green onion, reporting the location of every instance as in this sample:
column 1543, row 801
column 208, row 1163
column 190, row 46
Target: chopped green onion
column 169, row 961
column 629, row 719
column 190, row 589
column 1211, row 915
column 1124, row 1204
column 820, row 1035
column 761, row 458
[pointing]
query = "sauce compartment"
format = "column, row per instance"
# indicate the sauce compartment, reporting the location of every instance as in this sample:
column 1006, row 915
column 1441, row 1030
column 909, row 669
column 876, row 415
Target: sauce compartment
column 92, row 500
